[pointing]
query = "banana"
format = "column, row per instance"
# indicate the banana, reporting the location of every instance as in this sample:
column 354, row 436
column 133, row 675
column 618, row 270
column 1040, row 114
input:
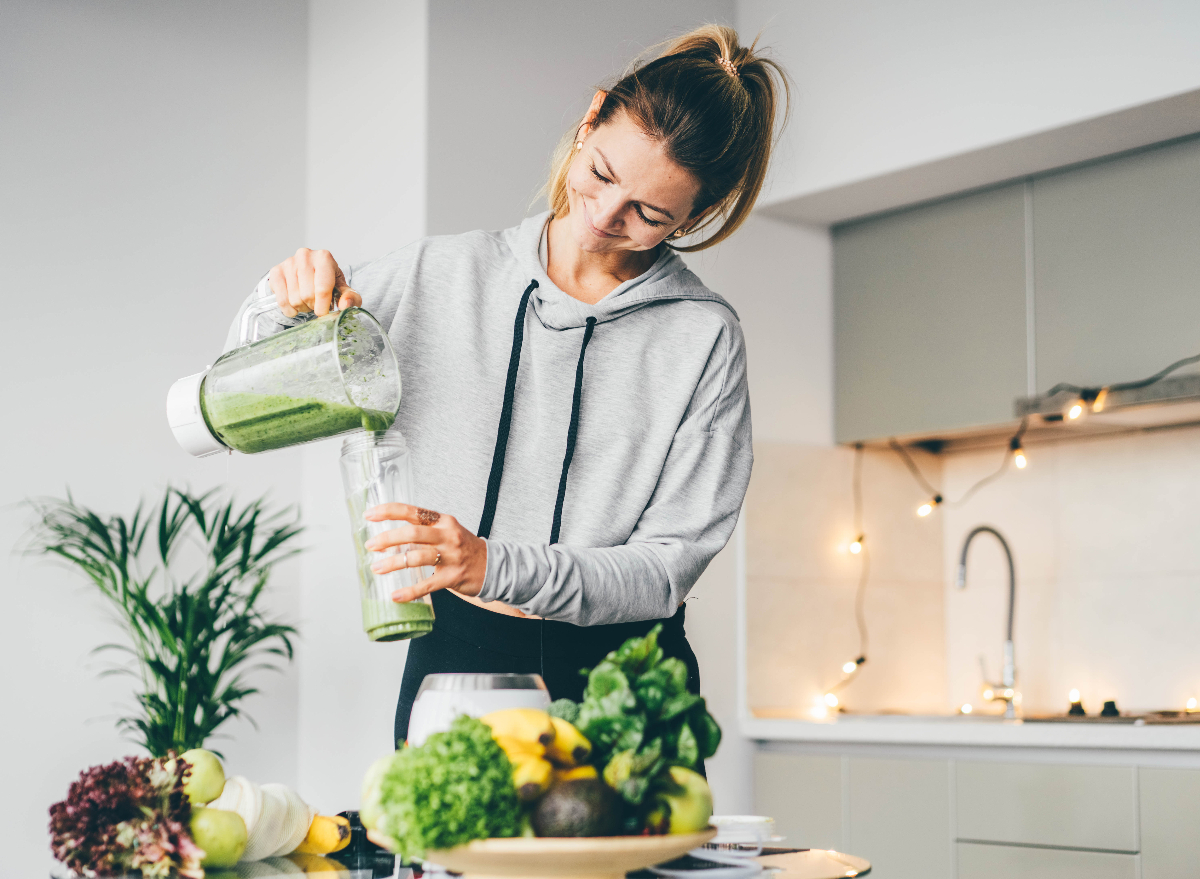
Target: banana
column 520, row 749
column 532, row 777
column 575, row 772
column 522, row 724
column 569, row 747
column 326, row 834
column 312, row 863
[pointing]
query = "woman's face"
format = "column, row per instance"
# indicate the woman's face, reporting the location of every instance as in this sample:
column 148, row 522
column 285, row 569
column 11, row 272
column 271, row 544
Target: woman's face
column 624, row 193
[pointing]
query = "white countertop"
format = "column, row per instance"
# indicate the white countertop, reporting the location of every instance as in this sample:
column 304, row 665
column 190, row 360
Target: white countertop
column 975, row 731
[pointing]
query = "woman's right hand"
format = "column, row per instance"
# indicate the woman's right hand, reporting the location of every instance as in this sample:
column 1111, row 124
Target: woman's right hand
column 306, row 281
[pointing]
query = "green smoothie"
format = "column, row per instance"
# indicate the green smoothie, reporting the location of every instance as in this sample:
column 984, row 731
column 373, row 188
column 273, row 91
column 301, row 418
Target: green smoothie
column 395, row 621
column 261, row 422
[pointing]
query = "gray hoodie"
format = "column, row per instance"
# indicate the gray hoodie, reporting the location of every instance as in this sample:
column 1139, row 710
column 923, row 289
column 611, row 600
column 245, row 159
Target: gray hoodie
column 637, row 438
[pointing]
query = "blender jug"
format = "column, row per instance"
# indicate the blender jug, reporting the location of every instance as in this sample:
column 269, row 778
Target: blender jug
column 327, row 376
column 376, row 469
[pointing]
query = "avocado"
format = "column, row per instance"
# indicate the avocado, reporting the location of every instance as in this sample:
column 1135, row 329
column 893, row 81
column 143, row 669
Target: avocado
column 581, row 807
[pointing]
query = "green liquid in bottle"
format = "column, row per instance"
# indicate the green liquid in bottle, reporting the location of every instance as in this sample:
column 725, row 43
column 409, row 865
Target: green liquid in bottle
column 261, row 422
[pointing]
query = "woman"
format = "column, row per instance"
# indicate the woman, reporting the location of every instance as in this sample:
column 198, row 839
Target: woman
column 575, row 398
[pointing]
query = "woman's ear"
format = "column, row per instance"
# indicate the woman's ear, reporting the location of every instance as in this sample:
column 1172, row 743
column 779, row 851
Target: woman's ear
column 589, row 118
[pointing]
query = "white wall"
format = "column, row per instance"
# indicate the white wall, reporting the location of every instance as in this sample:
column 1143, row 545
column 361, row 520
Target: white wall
column 883, row 86
column 367, row 92
column 153, row 160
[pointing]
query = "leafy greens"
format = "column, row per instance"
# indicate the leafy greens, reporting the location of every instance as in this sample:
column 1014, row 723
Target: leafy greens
column 642, row 720
column 460, row 776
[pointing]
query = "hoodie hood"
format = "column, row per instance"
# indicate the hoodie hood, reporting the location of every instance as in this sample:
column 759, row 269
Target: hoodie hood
column 667, row 279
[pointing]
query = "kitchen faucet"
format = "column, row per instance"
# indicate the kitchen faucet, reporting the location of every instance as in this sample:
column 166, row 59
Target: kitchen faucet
column 1004, row 691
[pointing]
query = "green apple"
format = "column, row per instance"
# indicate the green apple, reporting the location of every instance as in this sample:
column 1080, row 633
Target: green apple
column 370, row 809
column 222, row 835
column 207, row 777
column 691, row 809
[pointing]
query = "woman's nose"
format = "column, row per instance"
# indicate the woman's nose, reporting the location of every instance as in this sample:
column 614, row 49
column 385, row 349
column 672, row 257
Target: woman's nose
column 607, row 216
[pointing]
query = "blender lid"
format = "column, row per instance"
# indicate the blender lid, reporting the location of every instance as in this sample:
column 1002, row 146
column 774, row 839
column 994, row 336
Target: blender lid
column 187, row 421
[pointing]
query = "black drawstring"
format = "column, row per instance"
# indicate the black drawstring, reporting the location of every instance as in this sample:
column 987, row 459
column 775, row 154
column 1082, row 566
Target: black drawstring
column 572, row 432
column 510, row 390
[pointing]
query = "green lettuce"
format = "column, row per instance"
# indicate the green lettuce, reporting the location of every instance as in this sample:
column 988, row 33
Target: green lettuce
column 454, row 788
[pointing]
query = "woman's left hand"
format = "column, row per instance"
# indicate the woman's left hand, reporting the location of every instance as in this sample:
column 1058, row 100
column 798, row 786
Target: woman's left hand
column 436, row 540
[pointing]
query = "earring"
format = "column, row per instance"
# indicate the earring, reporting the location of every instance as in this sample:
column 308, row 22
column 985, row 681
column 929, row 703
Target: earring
column 579, row 144
column 677, row 234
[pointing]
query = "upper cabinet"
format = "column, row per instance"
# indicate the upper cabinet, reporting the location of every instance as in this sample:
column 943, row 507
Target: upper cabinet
column 935, row 307
column 930, row 318
column 1116, row 253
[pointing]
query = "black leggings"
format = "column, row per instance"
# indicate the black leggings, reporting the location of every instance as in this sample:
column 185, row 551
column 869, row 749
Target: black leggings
column 466, row 638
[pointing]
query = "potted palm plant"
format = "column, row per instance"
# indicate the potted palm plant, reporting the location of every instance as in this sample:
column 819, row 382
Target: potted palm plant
column 195, row 631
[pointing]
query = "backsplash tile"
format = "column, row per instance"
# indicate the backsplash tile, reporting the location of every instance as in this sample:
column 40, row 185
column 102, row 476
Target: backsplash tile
column 1106, row 538
column 1104, row 532
column 801, row 582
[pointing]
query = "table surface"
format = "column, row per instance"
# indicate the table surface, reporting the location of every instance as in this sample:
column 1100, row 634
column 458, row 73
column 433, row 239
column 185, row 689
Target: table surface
column 813, row 864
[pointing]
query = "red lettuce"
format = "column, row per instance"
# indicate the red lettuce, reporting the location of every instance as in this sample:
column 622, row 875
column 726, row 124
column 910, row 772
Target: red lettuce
column 129, row 815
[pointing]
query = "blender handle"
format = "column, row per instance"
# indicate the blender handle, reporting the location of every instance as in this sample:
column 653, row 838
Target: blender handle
column 264, row 301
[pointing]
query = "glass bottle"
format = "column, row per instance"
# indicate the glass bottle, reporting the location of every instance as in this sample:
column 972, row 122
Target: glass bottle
column 377, row 469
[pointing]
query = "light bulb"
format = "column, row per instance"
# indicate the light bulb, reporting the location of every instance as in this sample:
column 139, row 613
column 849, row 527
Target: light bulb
column 849, row 667
column 1076, row 410
column 831, row 700
column 966, row 708
column 1073, row 696
column 1019, row 459
column 856, row 547
column 989, row 695
column 925, row 509
column 819, row 711
column 1191, row 704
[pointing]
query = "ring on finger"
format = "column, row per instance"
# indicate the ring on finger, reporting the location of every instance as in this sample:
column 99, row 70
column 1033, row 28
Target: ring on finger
column 404, row 560
column 437, row 561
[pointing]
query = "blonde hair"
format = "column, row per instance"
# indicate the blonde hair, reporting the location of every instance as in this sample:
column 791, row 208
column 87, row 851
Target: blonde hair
column 712, row 104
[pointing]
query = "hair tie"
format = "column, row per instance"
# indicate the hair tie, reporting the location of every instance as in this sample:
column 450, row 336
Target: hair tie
column 729, row 66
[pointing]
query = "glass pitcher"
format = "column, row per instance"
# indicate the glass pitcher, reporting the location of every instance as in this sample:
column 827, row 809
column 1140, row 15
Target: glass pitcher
column 327, row 376
column 376, row 469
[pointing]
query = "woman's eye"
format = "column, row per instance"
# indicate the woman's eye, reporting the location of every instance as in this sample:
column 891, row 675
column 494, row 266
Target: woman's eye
column 647, row 220
column 599, row 176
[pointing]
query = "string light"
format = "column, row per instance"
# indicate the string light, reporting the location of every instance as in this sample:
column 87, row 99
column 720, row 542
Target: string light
column 1191, row 704
column 936, row 499
column 1073, row 696
column 822, row 704
column 1075, row 409
column 1018, row 453
column 967, row 708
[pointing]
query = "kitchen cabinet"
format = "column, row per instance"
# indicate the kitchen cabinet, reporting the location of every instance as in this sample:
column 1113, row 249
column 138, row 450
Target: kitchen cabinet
column 1170, row 806
column 979, row 861
column 1116, row 255
column 1038, row 804
column 803, row 794
column 938, row 816
column 930, row 317
column 900, row 816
